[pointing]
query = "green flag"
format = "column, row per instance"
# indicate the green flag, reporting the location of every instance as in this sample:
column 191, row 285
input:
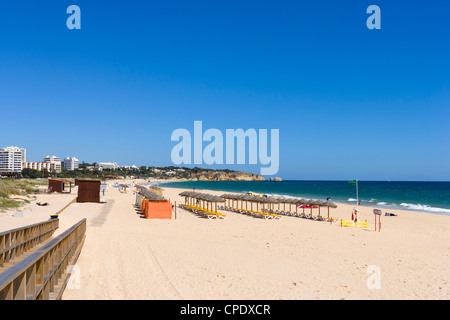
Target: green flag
column 352, row 182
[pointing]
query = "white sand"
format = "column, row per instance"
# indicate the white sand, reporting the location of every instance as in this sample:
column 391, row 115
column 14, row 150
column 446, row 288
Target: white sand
column 241, row 257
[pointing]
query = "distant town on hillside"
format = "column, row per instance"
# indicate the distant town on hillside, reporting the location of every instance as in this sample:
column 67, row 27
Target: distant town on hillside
column 14, row 164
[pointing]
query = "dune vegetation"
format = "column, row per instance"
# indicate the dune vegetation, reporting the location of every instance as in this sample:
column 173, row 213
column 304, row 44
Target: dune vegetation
column 15, row 193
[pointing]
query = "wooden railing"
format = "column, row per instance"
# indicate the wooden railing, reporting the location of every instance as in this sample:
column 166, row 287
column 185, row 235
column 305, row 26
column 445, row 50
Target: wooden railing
column 43, row 275
column 15, row 242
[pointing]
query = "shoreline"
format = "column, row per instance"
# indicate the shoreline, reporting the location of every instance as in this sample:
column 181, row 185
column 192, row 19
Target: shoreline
column 364, row 203
column 344, row 212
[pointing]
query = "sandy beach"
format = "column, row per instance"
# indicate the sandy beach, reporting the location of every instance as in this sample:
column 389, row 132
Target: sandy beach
column 241, row 257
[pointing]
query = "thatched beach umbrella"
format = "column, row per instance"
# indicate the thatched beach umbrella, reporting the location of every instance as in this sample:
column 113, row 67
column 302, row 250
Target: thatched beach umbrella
column 319, row 203
column 309, row 203
column 303, row 202
column 297, row 202
column 185, row 195
column 213, row 199
column 231, row 197
column 329, row 204
column 251, row 199
column 151, row 196
column 247, row 198
column 203, row 197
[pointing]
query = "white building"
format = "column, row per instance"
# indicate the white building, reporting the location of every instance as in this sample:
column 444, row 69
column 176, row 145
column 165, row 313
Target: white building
column 106, row 165
column 12, row 159
column 71, row 163
column 132, row 167
column 55, row 163
column 50, row 159
column 50, row 166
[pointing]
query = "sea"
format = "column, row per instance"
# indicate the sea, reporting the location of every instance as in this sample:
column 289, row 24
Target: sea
column 432, row 197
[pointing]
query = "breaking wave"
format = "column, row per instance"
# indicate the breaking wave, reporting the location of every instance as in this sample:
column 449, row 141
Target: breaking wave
column 424, row 207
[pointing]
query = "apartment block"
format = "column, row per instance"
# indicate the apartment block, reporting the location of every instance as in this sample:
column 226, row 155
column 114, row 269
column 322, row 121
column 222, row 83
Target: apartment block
column 12, row 159
column 71, row 163
column 106, row 165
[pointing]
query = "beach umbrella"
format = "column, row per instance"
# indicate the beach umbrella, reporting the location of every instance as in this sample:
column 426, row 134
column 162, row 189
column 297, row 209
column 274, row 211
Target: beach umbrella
column 151, row 196
column 302, row 202
column 247, row 198
column 319, row 203
column 329, row 204
column 251, row 199
column 309, row 203
column 296, row 202
column 184, row 194
column 214, row 198
column 260, row 200
column 271, row 201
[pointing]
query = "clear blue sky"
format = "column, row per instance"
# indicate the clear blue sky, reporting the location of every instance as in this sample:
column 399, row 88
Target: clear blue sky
column 349, row 102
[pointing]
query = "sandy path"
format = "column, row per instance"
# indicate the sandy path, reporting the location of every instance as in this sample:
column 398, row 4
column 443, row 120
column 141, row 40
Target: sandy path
column 117, row 260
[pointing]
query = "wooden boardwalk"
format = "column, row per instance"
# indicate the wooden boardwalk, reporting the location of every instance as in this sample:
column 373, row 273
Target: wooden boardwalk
column 33, row 266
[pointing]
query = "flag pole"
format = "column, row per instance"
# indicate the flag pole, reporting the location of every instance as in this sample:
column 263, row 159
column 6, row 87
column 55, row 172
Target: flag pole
column 357, row 199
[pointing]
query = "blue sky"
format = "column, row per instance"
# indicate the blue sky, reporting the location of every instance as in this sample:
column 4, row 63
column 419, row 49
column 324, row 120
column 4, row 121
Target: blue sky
column 349, row 102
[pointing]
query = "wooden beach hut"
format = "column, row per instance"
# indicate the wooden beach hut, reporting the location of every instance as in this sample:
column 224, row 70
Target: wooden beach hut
column 89, row 190
column 58, row 185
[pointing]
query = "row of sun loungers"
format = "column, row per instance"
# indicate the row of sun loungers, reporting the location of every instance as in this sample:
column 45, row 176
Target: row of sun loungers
column 257, row 214
column 302, row 215
column 277, row 214
column 203, row 212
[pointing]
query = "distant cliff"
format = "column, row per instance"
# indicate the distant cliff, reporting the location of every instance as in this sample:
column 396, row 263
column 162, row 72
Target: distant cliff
column 223, row 176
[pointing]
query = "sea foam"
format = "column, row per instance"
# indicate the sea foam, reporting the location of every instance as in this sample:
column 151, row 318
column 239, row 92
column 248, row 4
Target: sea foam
column 421, row 207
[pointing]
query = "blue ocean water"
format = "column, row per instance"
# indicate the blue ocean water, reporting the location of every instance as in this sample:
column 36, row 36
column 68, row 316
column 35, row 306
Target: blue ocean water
column 431, row 197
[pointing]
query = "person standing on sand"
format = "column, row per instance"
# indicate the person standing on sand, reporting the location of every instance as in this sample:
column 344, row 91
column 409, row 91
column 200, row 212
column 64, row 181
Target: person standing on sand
column 355, row 215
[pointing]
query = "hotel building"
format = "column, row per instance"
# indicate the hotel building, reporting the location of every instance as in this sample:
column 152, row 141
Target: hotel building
column 51, row 163
column 106, row 165
column 71, row 163
column 50, row 166
column 12, row 159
